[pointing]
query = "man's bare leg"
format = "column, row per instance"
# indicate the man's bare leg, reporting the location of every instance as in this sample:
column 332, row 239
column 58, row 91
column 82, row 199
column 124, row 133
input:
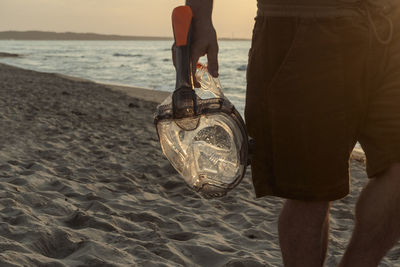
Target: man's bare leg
column 377, row 223
column 303, row 233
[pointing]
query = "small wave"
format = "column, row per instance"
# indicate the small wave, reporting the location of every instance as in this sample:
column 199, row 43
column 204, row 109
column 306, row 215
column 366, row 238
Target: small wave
column 126, row 55
column 3, row 54
column 242, row 68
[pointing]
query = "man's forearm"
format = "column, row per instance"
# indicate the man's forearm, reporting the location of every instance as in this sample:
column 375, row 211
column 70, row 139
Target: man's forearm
column 202, row 9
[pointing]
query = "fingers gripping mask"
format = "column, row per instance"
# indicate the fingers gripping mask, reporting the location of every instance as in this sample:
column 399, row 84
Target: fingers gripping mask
column 200, row 131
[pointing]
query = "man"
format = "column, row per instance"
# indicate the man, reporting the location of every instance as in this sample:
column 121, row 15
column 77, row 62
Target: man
column 322, row 75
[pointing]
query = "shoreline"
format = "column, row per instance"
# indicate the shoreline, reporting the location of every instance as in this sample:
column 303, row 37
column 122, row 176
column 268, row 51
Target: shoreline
column 145, row 94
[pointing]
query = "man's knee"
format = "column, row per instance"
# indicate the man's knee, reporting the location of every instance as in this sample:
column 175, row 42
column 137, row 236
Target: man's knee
column 308, row 206
column 315, row 212
column 380, row 199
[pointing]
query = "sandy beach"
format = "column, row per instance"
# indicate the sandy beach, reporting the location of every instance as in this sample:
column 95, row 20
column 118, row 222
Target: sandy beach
column 83, row 182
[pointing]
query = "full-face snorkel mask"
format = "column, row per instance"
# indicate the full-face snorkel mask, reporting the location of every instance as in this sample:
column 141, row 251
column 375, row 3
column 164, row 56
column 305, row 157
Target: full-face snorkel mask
column 200, row 131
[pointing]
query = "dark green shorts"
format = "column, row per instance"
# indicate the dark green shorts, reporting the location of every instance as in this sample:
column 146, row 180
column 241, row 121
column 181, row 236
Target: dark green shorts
column 316, row 86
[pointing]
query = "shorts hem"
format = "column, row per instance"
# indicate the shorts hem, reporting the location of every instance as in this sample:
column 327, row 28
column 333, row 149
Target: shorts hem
column 372, row 174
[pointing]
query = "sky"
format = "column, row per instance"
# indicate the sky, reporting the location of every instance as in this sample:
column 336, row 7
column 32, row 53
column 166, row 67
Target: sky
column 232, row 18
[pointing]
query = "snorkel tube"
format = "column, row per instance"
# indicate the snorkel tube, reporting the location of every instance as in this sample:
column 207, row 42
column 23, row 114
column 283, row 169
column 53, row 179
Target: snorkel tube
column 184, row 98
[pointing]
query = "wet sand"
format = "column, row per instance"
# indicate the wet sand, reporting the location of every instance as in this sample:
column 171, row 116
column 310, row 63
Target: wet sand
column 83, row 182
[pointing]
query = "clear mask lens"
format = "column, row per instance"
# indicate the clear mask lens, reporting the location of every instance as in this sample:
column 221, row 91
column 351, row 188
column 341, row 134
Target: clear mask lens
column 212, row 156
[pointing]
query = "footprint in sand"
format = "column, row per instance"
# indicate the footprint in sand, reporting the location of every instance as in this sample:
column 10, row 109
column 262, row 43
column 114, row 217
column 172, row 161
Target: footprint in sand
column 56, row 245
column 183, row 236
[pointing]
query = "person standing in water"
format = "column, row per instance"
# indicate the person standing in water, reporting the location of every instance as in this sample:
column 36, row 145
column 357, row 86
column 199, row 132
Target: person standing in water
column 322, row 75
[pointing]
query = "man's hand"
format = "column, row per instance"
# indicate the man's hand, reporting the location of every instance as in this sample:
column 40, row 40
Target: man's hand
column 204, row 37
column 204, row 42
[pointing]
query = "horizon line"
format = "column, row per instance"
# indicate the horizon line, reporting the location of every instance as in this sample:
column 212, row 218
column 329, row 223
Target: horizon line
column 23, row 35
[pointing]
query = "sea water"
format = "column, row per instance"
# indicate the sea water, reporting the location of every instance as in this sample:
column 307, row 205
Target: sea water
column 144, row 64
